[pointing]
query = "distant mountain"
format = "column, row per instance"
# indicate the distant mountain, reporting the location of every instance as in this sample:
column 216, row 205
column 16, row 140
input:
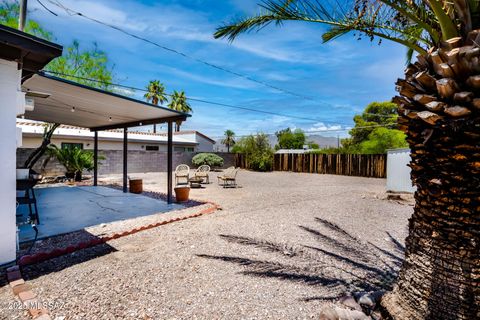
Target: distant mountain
column 323, row 142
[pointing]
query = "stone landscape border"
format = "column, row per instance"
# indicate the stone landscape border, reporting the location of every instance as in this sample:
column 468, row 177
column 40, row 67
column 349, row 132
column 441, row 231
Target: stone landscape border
column 23, row 290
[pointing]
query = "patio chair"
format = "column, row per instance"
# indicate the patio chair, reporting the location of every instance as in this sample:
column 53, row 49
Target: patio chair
column 202, row 172
column 225, row 172
column 229, row 177
column 182, row 171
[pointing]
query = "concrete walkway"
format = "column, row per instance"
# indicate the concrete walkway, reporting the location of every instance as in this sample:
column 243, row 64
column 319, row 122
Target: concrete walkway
column 66, row 209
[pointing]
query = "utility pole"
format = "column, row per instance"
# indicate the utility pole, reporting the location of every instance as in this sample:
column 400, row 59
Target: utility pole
column 22, row 18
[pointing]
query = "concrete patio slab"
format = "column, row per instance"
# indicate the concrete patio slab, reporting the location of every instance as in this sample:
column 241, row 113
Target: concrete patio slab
column 66, row 209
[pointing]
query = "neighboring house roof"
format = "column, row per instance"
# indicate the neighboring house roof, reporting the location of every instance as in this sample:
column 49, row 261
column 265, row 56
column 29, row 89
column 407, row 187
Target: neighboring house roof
column 35, row 128
column 190, row 132
column 31, row 52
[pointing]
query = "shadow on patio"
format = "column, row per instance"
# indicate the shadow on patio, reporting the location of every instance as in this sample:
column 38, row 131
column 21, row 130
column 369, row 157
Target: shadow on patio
column 340, row 264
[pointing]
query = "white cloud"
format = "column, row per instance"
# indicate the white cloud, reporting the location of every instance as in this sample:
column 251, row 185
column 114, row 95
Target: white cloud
column 97, row 10
column 320, row 126
column 160, row 22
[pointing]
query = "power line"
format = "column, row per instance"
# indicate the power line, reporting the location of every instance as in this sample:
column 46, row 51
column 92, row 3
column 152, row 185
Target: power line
column 72, row 12
column 197, row 100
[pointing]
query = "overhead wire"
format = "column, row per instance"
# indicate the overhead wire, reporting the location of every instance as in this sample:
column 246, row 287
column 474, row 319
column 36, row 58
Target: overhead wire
column 197, row 99
column 72, row 12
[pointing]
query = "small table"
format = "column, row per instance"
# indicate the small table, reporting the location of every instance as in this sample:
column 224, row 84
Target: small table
column 195, row 182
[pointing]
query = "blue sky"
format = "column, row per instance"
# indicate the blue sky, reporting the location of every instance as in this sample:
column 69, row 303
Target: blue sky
column 341, row 77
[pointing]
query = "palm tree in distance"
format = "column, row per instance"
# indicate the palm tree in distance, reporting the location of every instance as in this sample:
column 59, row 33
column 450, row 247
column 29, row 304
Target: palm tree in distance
column 180, row 103
column 155, row 94
column 439, row 108
column 229, row 141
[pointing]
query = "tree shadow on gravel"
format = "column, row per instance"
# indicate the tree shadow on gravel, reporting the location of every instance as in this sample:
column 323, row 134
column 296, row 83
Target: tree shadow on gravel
column 339, row 264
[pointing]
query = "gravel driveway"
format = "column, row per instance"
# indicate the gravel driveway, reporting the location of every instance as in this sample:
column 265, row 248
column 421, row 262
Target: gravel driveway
column 283, row 246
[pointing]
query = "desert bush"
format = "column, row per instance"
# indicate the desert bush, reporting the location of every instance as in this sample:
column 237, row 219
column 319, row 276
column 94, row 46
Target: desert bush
column 210, row 159
column 257, row 152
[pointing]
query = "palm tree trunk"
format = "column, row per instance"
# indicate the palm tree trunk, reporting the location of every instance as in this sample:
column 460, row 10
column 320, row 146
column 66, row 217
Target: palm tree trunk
column 440, row 277
column 228, row 148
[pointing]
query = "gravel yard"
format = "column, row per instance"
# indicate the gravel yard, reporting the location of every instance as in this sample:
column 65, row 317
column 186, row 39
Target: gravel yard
column 284, row 245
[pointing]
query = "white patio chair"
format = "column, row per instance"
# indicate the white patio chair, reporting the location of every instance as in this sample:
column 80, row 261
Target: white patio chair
column 202, row 172
column 182, row 171
column 229, row 177
column 224, row 173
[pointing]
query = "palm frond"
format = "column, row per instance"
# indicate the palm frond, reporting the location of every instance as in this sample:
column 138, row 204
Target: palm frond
column 371, row 17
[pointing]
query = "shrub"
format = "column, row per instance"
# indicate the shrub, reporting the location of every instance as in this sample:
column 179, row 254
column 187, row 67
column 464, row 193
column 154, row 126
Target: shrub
column 261, row 162
column 257, row 152
column 210, row 159
column 74, row 160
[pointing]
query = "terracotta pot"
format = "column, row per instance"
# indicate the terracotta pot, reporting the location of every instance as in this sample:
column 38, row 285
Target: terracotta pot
column 136, row 185
column 181, row 193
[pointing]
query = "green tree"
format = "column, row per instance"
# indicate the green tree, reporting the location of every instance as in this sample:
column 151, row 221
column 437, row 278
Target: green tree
column 88, row 67
column 257, row 152
column 155, row 94
column 382, row 139
column 377, row 115
column 229, row 140
column 438, row 106
column 180, row 103
column 288, row 139
column 9, row 12
column 86, row 64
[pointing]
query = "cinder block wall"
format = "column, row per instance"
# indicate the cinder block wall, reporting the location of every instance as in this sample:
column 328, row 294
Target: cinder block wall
column 138, row 161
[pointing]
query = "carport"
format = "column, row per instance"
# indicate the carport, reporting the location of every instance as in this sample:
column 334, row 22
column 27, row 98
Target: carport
column 57, row 100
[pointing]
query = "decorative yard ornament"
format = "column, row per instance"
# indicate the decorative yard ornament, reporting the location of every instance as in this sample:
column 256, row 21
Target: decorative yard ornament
column 439, row 108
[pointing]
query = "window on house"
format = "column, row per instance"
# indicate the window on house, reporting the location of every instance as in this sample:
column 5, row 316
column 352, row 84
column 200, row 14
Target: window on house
column 69, row 145
column 178, row 149
column 189, row 149
column 151, row 148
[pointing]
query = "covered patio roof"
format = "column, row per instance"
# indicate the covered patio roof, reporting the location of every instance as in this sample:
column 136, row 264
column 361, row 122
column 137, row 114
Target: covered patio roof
column 61, row 101
column 66, row 102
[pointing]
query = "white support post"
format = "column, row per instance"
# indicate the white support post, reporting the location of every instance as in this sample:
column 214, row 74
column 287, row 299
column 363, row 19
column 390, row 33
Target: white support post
column 9, row 85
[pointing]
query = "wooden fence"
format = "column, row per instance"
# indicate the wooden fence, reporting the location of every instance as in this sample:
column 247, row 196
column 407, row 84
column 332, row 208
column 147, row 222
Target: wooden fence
column 360, row 165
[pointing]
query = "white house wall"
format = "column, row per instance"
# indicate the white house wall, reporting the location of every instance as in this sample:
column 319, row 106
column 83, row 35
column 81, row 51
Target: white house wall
column 9, row 83
column 204, row 145
column 33, row 142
